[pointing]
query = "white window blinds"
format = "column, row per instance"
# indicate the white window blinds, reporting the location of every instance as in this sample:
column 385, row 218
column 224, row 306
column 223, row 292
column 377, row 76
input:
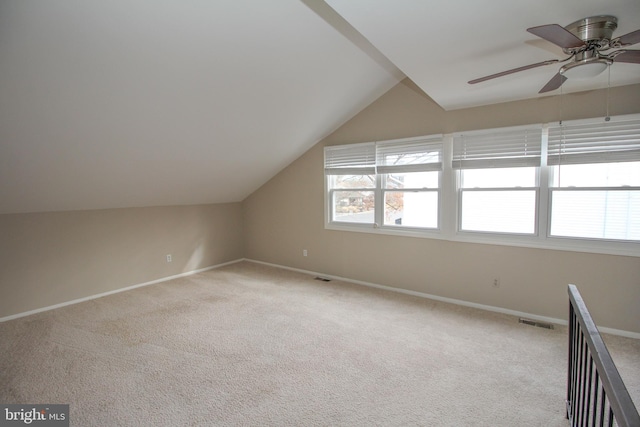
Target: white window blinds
column 353, row 159
column 398, row 156
column 601, row 142
column 499, row 148
column 415, row 155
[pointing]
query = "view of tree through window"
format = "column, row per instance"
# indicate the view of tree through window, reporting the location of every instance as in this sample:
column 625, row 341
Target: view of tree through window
column 571, row 185
column 402, row 191
column 411, row 199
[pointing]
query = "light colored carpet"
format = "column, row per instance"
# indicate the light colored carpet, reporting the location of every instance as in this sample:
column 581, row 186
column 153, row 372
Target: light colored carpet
column 254, row 345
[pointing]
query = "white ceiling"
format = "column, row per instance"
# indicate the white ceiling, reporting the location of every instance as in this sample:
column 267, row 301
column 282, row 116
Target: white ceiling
column 442, row 44
column 121, row 103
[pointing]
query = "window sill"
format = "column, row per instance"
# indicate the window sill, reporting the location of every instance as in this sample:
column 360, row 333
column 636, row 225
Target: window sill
column 536, row 242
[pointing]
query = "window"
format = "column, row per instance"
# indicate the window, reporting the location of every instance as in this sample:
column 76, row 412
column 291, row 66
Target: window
column 410, row 175
column 352, row 181
column 574, row 186
column 498, row 200
column 498, row 179
column 394, row 184
column 595, row 180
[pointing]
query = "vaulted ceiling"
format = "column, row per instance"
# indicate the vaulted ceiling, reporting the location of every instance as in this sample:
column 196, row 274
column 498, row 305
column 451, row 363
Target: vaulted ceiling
column 121, row 103
column 441, row 45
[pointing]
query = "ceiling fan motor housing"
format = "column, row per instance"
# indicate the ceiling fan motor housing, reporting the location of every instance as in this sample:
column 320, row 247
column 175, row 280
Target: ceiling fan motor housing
column 596, row 31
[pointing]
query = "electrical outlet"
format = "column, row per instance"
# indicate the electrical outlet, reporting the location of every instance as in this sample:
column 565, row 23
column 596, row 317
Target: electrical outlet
column 304, row 252
column 169, row 258
column 496, row 282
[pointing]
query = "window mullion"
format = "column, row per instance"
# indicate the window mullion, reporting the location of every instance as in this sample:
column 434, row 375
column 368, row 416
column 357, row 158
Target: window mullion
column 379, row 201
column 543, row 210
column 448, row 191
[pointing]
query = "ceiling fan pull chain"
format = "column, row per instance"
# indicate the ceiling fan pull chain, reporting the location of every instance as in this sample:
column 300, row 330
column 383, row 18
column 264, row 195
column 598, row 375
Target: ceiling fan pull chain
column 560, row 122
column 607, row 118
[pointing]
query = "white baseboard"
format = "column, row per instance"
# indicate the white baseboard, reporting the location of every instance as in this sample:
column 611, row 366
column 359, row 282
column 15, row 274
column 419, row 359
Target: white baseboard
column 531, row 316
column 104, row 294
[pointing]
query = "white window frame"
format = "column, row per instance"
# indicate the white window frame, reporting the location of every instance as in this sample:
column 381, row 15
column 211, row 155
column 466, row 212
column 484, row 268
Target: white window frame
column 518, row 146
column 378, row 225
column 352, row 159
column 582, row 148
column 407, row 146
column 449, row 211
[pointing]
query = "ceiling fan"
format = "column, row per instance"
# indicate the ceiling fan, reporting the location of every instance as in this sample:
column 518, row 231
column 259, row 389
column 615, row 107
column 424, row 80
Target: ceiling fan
column 585, row 41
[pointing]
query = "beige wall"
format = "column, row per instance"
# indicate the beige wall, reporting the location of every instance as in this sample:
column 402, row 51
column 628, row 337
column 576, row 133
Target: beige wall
column 52, row 258
column 285, row 216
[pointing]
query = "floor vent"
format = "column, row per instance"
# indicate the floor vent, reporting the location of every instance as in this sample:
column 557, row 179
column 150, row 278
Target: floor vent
column 536, row 323
column 322, row 279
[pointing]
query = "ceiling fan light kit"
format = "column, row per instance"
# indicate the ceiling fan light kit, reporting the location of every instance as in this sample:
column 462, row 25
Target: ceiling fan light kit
column 586, row 41
column 585, row 68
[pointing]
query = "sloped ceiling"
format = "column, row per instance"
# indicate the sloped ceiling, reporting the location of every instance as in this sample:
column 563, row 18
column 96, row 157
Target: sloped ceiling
column 122, row 103
column 442, row 44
